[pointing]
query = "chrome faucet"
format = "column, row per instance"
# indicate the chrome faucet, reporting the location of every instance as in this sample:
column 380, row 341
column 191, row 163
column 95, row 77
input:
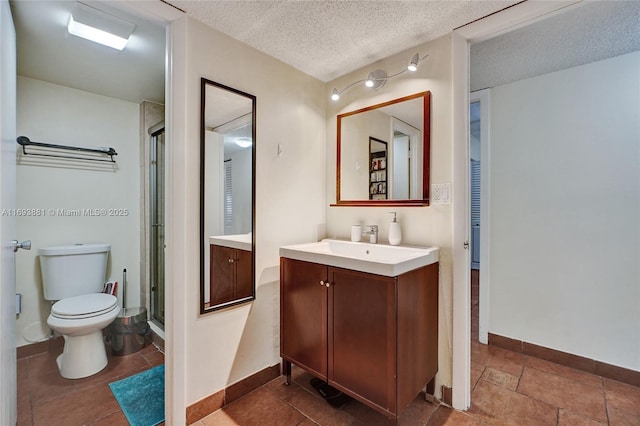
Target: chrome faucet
column 372, row 232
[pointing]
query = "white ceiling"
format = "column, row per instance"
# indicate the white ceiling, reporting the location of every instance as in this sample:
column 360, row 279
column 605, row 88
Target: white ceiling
column 325, row 39
column 587, row 32
column 328, row 39
column 46, row 51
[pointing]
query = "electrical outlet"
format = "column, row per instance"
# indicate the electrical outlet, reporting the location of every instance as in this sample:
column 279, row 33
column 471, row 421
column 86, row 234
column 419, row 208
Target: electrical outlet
column 440, row 193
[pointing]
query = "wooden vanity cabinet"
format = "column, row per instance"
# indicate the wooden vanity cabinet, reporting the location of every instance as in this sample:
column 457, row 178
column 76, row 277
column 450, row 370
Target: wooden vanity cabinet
column 373, row 337
column 230, row 274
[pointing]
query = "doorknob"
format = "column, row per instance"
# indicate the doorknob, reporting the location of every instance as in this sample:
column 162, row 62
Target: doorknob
column 25, row 245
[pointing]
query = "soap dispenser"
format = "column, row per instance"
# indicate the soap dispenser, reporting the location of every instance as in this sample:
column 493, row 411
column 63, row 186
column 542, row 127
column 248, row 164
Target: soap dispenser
column 395, row 233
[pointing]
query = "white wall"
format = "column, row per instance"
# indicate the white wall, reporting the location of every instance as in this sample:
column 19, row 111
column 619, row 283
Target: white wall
column 208, row 352
column 420, row 225
column 565, row 210
column 57, row 114
column 241, row 190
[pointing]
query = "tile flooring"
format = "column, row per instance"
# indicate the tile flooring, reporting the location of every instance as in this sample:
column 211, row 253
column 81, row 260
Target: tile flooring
column 508, row 389
column 47, row 399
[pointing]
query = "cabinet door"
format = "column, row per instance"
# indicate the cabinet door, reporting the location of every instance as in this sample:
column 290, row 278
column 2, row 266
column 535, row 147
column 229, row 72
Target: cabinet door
column 303, row 315
column 221, row 275
column 362, row 335
column 244, row 276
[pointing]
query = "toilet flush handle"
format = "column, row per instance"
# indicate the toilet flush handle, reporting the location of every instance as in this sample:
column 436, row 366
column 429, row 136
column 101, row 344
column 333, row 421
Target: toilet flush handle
column 25, row 245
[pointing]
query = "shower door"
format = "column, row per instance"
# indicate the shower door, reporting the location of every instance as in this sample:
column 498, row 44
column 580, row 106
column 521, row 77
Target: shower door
column 157, row 216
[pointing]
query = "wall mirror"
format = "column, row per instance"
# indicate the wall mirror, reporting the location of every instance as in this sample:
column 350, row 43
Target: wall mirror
column 383, row 153
column 227, row 196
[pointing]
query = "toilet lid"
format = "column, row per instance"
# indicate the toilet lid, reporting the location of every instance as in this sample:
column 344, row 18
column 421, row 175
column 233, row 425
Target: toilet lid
column 85, row 306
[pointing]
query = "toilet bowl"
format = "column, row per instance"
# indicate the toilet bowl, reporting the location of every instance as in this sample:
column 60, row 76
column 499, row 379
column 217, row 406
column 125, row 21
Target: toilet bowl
column 80, row 320
column 73, row 276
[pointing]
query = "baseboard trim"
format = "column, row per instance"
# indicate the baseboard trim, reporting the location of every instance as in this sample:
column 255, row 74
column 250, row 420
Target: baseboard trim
column 213, row 402
column 38, row 347
column 588, row 365
column 156, row 339
column 447, row 396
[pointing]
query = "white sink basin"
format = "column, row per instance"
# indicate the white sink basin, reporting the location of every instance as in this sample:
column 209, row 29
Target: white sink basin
column 377, row 259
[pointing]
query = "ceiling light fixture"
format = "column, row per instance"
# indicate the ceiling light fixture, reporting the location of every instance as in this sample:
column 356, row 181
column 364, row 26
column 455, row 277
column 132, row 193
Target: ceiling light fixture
column 243, row 142
column 413, row 63
column 98, row 26
column 377, row 78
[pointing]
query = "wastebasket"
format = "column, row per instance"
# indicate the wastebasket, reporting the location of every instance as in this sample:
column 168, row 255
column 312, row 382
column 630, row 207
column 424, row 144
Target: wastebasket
column 129, row 331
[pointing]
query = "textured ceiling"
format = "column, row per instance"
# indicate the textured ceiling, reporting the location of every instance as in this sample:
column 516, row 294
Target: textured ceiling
column 589, row 32
column 325, row 39
column 328, row 39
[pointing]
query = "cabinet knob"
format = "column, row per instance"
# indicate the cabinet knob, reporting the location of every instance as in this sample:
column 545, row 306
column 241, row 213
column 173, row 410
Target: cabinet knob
column 321, row 283
column 230, row 260
column 328, row 284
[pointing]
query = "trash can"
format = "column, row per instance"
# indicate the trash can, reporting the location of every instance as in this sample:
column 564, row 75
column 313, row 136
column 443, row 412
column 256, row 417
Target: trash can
column 128, row 331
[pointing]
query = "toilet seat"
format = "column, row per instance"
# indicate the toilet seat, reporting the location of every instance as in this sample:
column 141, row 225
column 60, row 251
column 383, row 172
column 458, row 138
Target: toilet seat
column 85, row 306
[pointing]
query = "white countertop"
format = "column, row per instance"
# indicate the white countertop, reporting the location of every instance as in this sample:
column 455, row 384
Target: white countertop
column 239, row 241
column 380, row 259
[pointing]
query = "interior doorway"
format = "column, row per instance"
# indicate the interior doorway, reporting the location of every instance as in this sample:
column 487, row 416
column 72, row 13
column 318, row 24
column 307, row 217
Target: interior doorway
column 479, row 203
column 474, row 185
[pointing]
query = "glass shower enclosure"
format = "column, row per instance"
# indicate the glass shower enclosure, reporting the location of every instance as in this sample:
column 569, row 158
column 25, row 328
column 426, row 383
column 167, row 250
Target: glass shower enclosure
column 157, row 223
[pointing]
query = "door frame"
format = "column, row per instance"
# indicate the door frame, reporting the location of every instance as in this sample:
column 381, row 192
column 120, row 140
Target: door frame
column 8, row 124
column 507, row 20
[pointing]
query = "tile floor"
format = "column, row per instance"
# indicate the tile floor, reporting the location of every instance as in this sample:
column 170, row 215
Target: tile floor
column 47, row 399
column 508, row 389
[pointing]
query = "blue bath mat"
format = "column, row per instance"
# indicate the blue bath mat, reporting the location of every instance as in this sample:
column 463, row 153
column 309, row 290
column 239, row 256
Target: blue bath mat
column 141, row 397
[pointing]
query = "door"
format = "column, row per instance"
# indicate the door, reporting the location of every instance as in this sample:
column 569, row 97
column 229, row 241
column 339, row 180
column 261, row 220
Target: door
column 303, row 315
column 475, row 214
column 479, row 123
column 362, row 335
column 222, row 276
column 157, row 212
column 244, row 274
column 8, row 391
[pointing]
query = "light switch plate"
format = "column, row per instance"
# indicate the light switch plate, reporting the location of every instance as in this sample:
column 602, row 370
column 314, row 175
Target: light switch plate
column 441, row 193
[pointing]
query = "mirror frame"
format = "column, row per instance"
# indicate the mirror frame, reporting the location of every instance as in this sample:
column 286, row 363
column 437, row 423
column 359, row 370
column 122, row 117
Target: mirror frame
column 204, row 82
column 426, row 158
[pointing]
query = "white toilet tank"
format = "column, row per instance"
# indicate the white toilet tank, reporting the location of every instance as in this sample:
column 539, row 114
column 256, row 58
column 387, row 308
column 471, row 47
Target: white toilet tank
column 73, row 270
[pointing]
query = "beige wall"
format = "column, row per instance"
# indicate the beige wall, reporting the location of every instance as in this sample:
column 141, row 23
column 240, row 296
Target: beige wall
column 420, row 225
column 565, row 209
column 208, row 352
column 61, row 115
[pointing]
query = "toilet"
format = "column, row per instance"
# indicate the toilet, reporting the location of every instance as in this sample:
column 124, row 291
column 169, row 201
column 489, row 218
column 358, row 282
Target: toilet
column 73, row 276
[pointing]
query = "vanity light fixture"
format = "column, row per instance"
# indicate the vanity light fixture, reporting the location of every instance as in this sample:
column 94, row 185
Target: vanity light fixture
column 98, row 26
column 413, row 63
column 377, row 78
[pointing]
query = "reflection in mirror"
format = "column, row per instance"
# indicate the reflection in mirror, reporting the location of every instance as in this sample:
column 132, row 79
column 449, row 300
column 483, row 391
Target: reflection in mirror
column 402, row 126
column 227, row 196
column 378, row 169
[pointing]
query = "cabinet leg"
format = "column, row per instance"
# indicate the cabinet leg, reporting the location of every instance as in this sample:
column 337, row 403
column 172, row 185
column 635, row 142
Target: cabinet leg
column 286, row 371
column 429, row 390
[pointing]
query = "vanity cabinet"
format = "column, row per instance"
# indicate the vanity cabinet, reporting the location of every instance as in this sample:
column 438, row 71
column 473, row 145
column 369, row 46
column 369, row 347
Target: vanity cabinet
column 371, row 336
column 230, row 274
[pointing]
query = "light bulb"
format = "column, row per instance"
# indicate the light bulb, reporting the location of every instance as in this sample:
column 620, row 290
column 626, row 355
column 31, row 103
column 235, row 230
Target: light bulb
column 370, row 80
column 244, row 142
column 335, row 95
